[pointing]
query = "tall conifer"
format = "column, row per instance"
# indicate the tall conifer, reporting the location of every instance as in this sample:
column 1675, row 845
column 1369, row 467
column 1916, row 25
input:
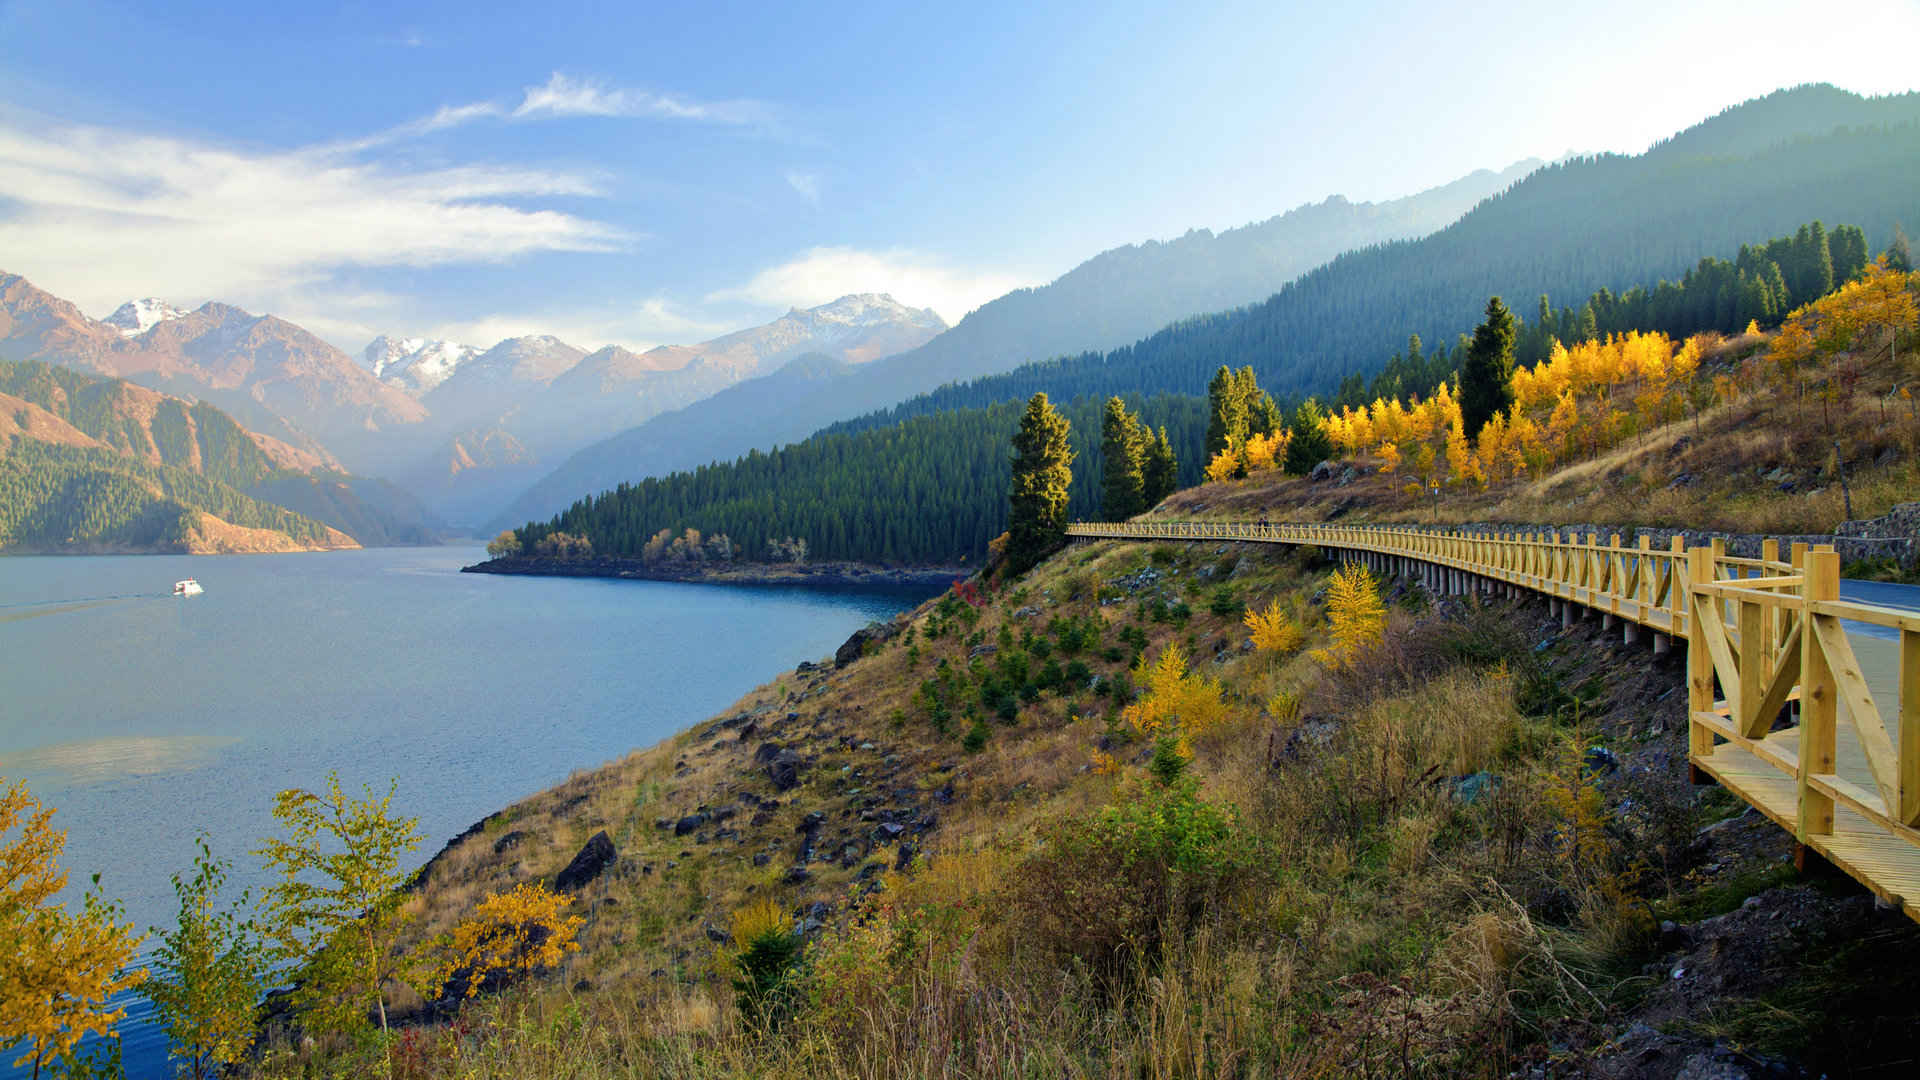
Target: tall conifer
column 1486, row 379
column 1042, row 470
column 1123, row 450
column 1162, row 472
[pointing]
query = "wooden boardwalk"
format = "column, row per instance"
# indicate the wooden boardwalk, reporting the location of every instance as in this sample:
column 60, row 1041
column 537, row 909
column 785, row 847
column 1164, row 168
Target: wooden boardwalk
column 1816, row 727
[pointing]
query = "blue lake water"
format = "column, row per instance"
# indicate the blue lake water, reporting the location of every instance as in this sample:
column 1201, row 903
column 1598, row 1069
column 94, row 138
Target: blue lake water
column 146, row 718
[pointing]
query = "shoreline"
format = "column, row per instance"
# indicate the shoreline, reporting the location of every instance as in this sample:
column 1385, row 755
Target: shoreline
column 821, row 573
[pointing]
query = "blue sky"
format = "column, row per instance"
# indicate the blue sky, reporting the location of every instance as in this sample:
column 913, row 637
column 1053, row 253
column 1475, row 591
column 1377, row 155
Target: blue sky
column 647, row 173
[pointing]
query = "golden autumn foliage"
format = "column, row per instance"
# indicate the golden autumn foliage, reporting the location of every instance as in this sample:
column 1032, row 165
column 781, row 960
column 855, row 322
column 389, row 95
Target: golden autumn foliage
column 1261, row 450
column 1224, row 466
column 1355, row 614
column 1273, row 629
column 58, row 969
column 1174, row 701
column 511, row 933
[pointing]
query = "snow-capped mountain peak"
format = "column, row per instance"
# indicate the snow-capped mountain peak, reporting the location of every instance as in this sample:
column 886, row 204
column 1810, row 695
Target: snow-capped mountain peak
column 415, row 365
column 136, row 317
column 868, row 309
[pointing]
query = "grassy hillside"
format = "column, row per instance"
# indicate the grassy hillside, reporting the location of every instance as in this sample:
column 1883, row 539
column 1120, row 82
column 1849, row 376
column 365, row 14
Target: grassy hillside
column 1457, row 852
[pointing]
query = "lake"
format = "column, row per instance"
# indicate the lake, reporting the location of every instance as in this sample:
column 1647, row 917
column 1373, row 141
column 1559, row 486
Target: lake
column 145, row 718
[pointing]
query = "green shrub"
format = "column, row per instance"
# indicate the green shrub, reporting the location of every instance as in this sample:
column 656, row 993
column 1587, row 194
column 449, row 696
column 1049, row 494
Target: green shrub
column 1115, row 889
column 765, row 964
column 1224, row 601
column 976, row 737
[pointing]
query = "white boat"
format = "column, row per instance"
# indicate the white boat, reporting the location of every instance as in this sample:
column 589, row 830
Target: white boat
column 189, row 587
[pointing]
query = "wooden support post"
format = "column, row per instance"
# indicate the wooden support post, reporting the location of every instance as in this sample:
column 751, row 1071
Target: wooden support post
column 1755, row 666
column 1909, row 727
column 1699, row 670
column 1819, row 700
column 1566, row 614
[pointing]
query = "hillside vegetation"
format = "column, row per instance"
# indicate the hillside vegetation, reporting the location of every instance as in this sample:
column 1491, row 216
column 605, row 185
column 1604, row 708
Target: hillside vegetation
column 1793, row 432
column 1169, row 811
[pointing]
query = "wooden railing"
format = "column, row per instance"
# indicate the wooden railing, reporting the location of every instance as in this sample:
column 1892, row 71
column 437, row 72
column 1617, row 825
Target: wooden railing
column 1783, row 708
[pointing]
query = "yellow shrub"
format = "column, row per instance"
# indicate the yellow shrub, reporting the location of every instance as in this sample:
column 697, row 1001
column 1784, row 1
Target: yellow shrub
column 1273, row 629
column 1354, row 612
column 509, row 933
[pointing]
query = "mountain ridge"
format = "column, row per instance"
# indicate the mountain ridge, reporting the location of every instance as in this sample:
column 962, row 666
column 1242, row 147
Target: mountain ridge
column 1083, row 307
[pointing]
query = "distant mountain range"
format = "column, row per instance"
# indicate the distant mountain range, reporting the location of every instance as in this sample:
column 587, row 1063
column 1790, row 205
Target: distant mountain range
column 464, row 428
column 1110, row 299
column 1319, row 292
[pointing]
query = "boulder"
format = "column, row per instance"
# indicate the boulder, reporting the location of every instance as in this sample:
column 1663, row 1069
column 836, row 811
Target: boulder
column 1322, row 471
column 593, row 859
column 856, row 646
column 784, row 770
column 689, row 823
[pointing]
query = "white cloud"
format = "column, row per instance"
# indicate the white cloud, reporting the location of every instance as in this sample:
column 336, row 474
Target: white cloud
column 654, row 321
column 564, row 96
column 823, row 274
column 805, row 183
column 99, row 215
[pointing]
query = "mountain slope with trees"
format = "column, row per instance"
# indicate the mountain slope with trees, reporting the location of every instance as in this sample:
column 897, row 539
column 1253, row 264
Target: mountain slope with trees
column 1593, row 227
column 144, row 434
column 939, row 457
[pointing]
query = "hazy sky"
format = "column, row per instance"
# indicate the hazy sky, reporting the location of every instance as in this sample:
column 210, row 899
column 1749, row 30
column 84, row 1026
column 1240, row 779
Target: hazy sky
column 644, row 173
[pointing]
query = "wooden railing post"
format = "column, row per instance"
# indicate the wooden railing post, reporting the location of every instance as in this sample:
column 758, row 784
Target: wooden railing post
column 1819, row 704
column 1676, row 592
column 1699, row 571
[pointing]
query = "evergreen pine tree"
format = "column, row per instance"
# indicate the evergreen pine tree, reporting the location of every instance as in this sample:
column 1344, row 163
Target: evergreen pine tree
column 1226, row 411
column 1042, row 471
column 1849, row 246
column 1486, row 379
column 1162, row 472
column 1820, row 268
column 1123, row 446
column 1310, row 444
column 1899, row 254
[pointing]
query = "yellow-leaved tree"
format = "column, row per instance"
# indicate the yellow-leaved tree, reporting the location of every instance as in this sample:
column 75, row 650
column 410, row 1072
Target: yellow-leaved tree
column 208, row 972
column 1354, row 613
column 1273, row 629
column 1175, row 704
column 336, row 908
column 510, row 933
column 58, row 969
